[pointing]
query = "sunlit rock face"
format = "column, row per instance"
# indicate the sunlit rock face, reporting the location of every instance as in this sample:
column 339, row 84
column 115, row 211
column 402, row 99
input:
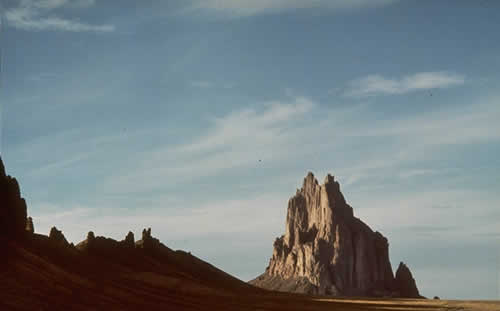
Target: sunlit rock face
column 326, row 250
column 12, row 207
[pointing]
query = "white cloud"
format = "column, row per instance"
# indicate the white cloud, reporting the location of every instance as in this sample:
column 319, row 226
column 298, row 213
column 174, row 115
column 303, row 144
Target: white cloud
column 373, row 85
column 32, row 15
column 254, row 7
column 250, row 126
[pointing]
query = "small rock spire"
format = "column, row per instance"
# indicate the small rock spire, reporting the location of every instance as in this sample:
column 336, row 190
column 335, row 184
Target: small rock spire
column 405, row 282
column 29, row 225
column 58, row 237
column 329, row 179
column 146, row 234
column 130, row 240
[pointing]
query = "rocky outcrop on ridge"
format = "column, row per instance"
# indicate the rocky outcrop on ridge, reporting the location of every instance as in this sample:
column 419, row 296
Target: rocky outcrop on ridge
column 58, row 237
column 148, row 242
column 328, row 251
column 129, row 241
column 12, row 207
column 103, row 245
column 29, row 225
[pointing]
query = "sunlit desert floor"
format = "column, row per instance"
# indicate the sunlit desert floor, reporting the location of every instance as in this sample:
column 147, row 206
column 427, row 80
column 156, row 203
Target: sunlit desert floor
column 410, row 304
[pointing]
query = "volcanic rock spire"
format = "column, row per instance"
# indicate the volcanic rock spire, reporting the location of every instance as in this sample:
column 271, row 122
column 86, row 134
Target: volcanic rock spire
column 326, row 250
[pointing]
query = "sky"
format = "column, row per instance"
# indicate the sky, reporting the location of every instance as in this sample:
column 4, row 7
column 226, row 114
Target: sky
column 200, row 118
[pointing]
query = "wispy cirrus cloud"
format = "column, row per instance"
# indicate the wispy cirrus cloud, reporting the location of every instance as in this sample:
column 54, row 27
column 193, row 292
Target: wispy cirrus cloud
column 373, row 85
column 255, row 7
column 236, row 140
column 202, row 84
column 33, row 15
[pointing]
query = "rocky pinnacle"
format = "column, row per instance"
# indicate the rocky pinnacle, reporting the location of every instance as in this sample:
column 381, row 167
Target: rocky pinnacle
column 326, row 250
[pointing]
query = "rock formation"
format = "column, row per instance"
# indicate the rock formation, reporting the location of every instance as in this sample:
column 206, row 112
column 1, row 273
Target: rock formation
column 29, row 225
column 129, row 240
column 12, row 206
column 328, row 251
column 58, row 237
column 405, row 283
column 103, row 245
column 90, row 236
column 148, row 241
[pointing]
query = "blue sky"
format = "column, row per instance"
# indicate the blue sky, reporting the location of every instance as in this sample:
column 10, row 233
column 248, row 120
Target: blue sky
column 156, row 113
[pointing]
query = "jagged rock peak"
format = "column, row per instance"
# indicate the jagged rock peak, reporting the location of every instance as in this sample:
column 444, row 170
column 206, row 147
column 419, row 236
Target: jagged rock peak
column 58, row 237
column 329, row 179
column 148, row 241
column 130, row 236
column 311, row 181
column 129, row 240
column 146, row 234
column 405, row 282
column 325, row 249
column 106, row 246
column 29, row 225
column 90, row 236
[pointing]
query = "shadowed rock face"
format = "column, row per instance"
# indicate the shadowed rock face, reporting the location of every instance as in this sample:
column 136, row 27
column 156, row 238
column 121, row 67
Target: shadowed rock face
column 326, row 250
column 12, row 207
column 405, row 282
column 58, row 237
column 106, row 246
column 129, row 240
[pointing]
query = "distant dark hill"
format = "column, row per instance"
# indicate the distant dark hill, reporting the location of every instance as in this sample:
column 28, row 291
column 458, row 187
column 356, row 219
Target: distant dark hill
column 39, row 272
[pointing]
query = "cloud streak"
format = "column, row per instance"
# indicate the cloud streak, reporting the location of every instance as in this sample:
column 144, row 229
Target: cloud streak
column 256, row 7
column 374, row 85
column 237, row 140
column 33, row 15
